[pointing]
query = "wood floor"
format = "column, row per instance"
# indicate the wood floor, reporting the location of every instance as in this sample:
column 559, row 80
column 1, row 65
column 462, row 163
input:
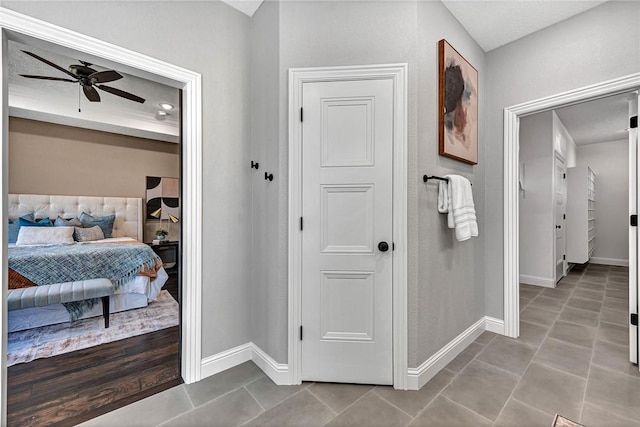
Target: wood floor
column 72, row 388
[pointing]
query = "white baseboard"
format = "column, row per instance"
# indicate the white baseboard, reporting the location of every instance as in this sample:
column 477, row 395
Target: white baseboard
column 537, row 281
column 278, row 372
column 418, row 377
column 609, row 261
column 494, row 325
column 224, row 360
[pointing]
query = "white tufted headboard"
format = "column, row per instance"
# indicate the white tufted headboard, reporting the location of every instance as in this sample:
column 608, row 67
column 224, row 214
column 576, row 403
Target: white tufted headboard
column 128, row 210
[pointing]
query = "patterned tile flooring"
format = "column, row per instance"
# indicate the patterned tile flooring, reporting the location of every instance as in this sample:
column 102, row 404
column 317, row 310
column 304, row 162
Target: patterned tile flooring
column 571, row 358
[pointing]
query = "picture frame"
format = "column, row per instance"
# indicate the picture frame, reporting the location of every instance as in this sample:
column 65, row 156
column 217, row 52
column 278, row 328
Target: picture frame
column 457, row 105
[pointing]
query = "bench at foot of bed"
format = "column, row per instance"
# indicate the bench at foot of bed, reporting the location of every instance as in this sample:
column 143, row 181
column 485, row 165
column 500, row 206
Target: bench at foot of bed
column 58, row 293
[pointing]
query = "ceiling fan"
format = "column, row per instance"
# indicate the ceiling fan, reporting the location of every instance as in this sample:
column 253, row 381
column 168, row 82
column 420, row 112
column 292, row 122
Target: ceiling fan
column 88, row 78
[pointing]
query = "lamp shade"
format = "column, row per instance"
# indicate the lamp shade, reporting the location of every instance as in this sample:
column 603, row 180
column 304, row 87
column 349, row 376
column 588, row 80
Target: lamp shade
column 156, row 213
column 174, row 219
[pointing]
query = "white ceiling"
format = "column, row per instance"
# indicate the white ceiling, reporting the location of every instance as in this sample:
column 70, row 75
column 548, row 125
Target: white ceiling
column 57, row 102
column 600, row 120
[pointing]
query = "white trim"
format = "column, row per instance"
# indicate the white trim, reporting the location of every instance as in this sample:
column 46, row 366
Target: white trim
column 278, row 372
column 494, row 325
column 14, row 24
column 297, row 77
column 609, row 261
column 537, row 281
column 225, row 360
column 510, row 184
column 418, row 377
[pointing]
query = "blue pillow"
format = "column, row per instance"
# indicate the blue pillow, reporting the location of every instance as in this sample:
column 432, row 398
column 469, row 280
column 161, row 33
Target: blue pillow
column 14, row 227
column 104, row 222
column 44, row 222
column 71, row 222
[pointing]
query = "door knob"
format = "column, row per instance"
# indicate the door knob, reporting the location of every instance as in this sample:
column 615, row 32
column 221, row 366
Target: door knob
column 383, row 246
column 558, row 226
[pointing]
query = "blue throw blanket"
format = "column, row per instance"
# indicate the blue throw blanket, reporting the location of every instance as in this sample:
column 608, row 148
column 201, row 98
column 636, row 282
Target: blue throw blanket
column 118, row 262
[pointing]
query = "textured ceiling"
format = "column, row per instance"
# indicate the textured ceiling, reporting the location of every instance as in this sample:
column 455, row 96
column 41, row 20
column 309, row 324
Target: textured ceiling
column 496, row 23
column 57, row 102
column 600, row 120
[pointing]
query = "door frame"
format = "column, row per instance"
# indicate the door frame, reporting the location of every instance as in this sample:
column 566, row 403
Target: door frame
column 557, row 155
column 511, row 144
column 397, row 73
column 16, row 26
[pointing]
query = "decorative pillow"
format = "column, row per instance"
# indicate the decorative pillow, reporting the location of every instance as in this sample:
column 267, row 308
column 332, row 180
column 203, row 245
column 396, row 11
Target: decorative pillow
column 44, row 236
column 71, row 222
column 14, row 227
column 44, row 222
column 88, row 234
column 104, row 222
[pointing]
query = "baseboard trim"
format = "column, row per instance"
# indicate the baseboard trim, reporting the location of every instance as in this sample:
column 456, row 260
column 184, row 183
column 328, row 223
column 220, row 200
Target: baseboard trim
column 494, row 325
column 609, row 261
column 537, row 281
column 278, row 372
column 224, row 360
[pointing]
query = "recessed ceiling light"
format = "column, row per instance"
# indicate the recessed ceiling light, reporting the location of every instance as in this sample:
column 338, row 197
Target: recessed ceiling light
column 166, row 106
column 162, row 113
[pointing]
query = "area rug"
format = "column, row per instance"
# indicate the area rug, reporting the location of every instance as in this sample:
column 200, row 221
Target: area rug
column 47, row 341
column 560, row 421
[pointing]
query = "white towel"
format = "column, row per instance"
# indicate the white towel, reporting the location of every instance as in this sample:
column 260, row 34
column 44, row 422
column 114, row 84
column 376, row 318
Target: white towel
column 456, row 199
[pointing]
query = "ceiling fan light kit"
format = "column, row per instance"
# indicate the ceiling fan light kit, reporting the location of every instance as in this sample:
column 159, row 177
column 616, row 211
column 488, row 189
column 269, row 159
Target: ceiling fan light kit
column 88, row 78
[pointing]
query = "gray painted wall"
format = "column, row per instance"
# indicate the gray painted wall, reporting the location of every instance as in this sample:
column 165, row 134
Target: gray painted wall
column 600, row 44
column 213, row 39
column 537, row 232
column 610, row 162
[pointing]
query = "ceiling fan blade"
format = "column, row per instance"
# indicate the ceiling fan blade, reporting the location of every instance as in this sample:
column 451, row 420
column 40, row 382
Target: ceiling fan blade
column 105, row 76
column 57, row 67
column 118, row 92
column 91, row 94
column 58, row 79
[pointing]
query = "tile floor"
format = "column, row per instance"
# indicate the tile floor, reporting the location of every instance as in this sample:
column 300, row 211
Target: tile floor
column 571, row 358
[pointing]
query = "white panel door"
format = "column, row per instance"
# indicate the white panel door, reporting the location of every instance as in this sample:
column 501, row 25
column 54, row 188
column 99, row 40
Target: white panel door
column 634, row 181
column 347, row 144
column 560, row 209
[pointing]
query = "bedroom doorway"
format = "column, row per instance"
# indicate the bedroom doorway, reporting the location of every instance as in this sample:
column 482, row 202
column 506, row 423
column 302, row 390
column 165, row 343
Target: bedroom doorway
column 15, row 27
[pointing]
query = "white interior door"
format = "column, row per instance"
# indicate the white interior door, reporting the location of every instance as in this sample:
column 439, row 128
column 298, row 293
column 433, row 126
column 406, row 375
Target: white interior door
column 633, row 230
column 560, row 209
column 347, row 144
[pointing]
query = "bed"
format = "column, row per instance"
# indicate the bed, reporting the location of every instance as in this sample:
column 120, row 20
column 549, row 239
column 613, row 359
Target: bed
column 127, row 228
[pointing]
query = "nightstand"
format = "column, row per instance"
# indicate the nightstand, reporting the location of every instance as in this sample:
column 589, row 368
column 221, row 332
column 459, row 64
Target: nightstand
column 169, row 253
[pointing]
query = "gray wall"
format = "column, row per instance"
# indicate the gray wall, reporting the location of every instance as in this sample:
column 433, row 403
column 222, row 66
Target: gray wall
column 597, row 45
column 213, row 39
column 446, row 288
column 610, row 162
column 537, row 232
column 92, row 154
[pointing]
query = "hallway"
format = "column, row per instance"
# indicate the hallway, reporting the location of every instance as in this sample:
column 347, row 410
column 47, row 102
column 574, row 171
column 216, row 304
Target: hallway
column 571, row 358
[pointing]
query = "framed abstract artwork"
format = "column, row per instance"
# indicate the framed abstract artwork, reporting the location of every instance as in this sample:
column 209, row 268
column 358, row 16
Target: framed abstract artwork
column 163, row 197
column 457, row 105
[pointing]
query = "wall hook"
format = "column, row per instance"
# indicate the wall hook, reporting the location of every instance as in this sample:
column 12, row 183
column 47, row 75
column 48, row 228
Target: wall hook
column 255, row 165
column 268, row 177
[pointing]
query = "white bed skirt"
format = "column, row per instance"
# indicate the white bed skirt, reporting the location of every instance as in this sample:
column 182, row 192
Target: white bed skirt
column 135, row 294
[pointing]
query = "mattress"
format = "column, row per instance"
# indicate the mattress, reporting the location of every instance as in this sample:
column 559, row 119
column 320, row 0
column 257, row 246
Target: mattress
column 135, row 294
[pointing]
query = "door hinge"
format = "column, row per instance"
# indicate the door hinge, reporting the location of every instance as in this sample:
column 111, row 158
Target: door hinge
column 393, row 246
column 564, row 176
column 564, row 216
column 633, row 122
column 300, row 332
column 633, row 220
column 301, row 115
column 564, row 257
column 301, row 224
column 634, row 319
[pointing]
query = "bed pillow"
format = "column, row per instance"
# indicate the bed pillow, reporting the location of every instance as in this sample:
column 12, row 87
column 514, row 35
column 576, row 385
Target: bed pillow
column 14, row 227
column 104, row 222
column 88, row 234
column 44, row 222
column 71, row 222
column 44, row 236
